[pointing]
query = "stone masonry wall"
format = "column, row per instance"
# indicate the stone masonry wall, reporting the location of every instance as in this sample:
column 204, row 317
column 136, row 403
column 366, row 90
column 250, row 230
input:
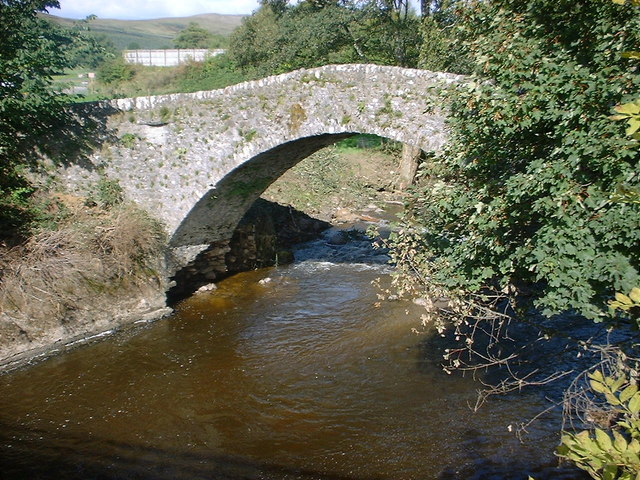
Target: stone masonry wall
column 198, row 161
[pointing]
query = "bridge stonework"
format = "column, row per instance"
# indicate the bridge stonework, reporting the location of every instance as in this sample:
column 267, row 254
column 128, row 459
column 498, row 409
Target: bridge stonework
column 197, row 161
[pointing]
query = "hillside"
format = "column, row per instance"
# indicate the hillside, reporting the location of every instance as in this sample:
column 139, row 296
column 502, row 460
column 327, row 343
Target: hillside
column 155, row 33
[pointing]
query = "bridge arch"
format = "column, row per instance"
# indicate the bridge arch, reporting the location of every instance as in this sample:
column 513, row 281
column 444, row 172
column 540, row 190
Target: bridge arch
column 217, row 213
column 198, row 161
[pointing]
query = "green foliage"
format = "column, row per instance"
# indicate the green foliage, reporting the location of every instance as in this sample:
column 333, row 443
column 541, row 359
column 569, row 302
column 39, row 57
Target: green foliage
column 15, row 208
column 115, row 71
column 374, row 143
column 390, row 35
column 215, row 72
column 165, row 113
column 254, row 44
column 631, row 113
column 615, row 454
column 128, row 140
column 249, row 135
column 194, row 36
column 360, row 141
column 277, row 6
column 442, row 50
column 107, row 194
column 629, row 304
column 30, row 54
column 523, row 194
column 87, row 49
column 277, row 39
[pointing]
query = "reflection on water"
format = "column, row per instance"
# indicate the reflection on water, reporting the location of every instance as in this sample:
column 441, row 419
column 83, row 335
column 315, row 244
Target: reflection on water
column 297, row 377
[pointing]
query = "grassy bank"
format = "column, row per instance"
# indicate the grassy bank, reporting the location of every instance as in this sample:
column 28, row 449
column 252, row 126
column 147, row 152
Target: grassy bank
column 116, row 79
column 75, row 268
column 347, row 176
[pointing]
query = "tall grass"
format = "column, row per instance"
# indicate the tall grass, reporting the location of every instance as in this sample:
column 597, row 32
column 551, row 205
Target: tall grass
column 213, row 73
column 91, row 252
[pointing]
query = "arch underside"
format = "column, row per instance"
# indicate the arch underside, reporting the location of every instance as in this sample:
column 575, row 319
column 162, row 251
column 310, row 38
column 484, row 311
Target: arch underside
column 219, row 211
column 215, row 216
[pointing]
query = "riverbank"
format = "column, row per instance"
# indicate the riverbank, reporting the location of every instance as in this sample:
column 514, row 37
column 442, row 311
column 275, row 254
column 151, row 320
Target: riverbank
column 337, row 182
column 96, row 264
column 90, row 269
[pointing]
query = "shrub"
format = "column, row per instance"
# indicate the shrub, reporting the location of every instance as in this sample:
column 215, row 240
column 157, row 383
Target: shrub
column 115, row 71
column 613, row 452
column 523, row 195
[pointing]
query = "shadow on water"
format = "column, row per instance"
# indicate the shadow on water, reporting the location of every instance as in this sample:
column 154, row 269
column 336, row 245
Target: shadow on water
column 541, row 348
column 72, row 457
column 484, row 469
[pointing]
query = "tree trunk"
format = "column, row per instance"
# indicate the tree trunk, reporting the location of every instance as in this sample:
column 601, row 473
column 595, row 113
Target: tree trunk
column 424, row 8
column 408, row 165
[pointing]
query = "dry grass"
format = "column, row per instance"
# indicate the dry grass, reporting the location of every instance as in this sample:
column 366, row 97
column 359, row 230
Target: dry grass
column 90, row 253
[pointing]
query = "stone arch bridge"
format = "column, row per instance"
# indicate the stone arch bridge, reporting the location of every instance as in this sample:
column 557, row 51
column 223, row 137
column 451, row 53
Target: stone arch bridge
column 197, row 161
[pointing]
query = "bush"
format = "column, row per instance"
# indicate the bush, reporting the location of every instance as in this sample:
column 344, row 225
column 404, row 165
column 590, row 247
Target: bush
column 108, row 193
column 115, row 71
column 613, row 452
column 524, row 194
column 215, row 72
column 31, row 52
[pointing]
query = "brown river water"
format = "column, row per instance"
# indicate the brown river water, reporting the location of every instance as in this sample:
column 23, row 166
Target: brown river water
column 301, row 376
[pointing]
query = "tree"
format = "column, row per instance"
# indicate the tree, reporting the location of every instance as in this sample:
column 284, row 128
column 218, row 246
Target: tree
column 30, row 53
column 194, row 36
column 254, row 44
column 522, row 198
column 86, row 48
column 442, row 49
column 392, row 32
column 279, row 38
column 115, row 70
column 214, row 72
column 277, row 6
column 306, row 35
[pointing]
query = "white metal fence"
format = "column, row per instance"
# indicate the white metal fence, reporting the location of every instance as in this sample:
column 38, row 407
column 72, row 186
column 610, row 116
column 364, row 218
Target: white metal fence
column 168, row 58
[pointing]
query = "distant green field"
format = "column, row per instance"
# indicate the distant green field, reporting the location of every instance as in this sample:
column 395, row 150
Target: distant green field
column 156, row 33
column 71, row 82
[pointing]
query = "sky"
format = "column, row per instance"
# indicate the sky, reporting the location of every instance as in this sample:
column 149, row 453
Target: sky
column 144, row 9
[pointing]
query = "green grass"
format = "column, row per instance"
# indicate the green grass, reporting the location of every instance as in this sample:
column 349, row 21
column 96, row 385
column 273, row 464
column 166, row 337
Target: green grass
column 70, row 77
column 69, row 80
column 216, row 72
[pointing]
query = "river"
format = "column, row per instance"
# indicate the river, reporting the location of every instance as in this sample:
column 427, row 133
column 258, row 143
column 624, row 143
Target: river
column 290, row 372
